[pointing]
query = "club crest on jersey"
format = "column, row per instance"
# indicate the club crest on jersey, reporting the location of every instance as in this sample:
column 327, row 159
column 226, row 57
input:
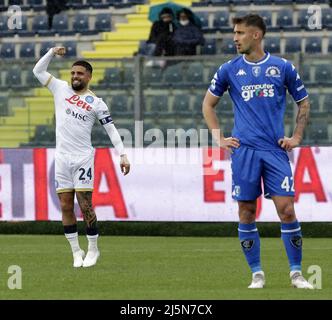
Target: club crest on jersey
column 68, row 111
column 272, row 72
column 256, row 71
column 75, row 100
column 89, row 99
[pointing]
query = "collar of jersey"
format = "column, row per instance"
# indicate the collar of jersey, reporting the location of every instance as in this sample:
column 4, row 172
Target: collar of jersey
column 264, row 59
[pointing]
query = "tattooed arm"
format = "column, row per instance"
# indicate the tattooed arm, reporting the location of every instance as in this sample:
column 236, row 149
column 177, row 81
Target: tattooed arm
column 301, row 121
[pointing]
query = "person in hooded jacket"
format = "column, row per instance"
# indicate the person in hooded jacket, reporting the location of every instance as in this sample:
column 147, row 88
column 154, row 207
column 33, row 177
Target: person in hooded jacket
column 187, row 36
column 161, row 34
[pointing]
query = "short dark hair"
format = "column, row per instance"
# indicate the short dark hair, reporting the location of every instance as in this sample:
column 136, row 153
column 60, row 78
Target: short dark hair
column 251, row 19
column 84, row 64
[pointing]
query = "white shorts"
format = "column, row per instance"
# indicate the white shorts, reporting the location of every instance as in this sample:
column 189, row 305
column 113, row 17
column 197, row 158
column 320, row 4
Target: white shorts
column 74, row 172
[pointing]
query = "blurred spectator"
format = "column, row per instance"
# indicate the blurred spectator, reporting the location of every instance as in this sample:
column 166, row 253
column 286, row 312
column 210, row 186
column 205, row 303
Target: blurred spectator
column 54, row 7
column 161, row 34
column 187, row 36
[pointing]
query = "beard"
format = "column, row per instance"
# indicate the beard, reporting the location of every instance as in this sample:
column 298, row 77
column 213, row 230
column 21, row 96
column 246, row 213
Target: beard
column 78, row 86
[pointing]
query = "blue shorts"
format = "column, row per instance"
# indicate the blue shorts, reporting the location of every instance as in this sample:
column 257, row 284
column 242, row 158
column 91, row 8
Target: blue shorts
column 250, row 166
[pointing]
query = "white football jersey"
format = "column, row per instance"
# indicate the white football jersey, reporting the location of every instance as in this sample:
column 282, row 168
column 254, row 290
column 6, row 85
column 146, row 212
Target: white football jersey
column 75, row 116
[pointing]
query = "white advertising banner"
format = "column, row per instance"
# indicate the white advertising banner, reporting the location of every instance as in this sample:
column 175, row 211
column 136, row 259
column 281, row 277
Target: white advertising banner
column 163, row 185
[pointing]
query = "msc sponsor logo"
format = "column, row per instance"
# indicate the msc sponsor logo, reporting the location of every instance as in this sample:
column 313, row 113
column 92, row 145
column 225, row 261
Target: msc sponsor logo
column 257, row 90
column 77, row 115
column 75, row 100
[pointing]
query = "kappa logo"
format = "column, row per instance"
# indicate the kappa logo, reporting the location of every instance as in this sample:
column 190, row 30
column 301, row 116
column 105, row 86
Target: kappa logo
column 241, row 72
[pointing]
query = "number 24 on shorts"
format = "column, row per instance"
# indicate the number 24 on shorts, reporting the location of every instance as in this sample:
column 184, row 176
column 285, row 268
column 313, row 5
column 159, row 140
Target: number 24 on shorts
column 286, row 184
column 88, row 174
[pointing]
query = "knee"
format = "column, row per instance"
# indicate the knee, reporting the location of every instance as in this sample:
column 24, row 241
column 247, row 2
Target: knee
column 67, row 207
column 247, row 213
column 287, row 213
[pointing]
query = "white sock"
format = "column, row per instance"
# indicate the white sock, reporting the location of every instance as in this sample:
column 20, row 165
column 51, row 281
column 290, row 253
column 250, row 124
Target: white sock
column 92, row 242
column 73, row 241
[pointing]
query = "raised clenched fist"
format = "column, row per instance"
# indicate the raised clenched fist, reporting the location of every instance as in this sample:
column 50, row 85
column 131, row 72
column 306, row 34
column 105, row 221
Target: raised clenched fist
column 60, row 51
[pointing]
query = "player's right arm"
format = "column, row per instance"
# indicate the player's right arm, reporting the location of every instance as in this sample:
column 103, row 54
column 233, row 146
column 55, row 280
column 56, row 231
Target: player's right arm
column 218, row 86
column 40, row 69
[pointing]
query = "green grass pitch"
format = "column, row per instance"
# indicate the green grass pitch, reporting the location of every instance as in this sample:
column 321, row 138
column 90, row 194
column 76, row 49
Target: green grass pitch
column 156, row 268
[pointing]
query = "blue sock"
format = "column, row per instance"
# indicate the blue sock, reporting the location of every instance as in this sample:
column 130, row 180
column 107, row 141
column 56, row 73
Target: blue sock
column 292, row 238
column 250, row 244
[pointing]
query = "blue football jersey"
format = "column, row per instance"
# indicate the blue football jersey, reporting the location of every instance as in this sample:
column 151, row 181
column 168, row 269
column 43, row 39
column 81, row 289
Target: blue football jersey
column 258, row 91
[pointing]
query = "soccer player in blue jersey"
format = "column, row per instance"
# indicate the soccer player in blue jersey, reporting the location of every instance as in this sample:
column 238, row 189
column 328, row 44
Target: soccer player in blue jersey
column 257, row 83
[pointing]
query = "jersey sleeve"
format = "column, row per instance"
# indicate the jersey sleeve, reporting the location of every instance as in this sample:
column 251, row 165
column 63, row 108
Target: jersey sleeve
column 219, row 83
column 103, row 113
column 54, row 84
column 294, row 83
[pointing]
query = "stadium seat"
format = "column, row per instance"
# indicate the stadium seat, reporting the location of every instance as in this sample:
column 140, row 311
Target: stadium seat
column 242, row 2
column 45, row 46
column 70, row 48
column 209, row 47
column 7, row 51
column 303, row 17
column 221, row 19
column 32, row 80
column 36, row 5
column 77, row 4
column 60, row 25
column 103, row 22
column 98, row 4
column 128, row 76
column 285, row 19
column 173, row 74
column 112, row 77
column 225, row 106
column 4, row 110
column 290, row 107
column 13, row 78
column 27, row 50
column 319, row 132
column 272, row 45
column 305, row 74
column 327, row 18
column 181, row 105
column 4, row 31
column 283, row 2
column 313, row 45
column 217, row 3
column 81, row 25
column 267, row 16
column 327, row 104
column 330, row 45
column 323, row 74
column 152, row 75
column 228, row 46
column 119, row 104
column 45, row 136
column 194, row 74
column 293, row 44
column 197, row 105
column 159, row 105
column 314, row 102
column 40, row 25
column 204, row 18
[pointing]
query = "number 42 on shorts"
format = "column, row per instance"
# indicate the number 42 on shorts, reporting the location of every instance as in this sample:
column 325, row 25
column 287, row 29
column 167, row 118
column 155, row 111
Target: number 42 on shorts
column 288, row 184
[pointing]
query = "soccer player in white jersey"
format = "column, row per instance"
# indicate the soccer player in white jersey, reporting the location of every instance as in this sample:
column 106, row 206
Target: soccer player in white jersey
column 76, row 109
column 257, row 83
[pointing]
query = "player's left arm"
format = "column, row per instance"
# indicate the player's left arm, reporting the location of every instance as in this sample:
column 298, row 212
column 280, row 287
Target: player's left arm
column 297, row 90
column 301, row 121
column 105, row 119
